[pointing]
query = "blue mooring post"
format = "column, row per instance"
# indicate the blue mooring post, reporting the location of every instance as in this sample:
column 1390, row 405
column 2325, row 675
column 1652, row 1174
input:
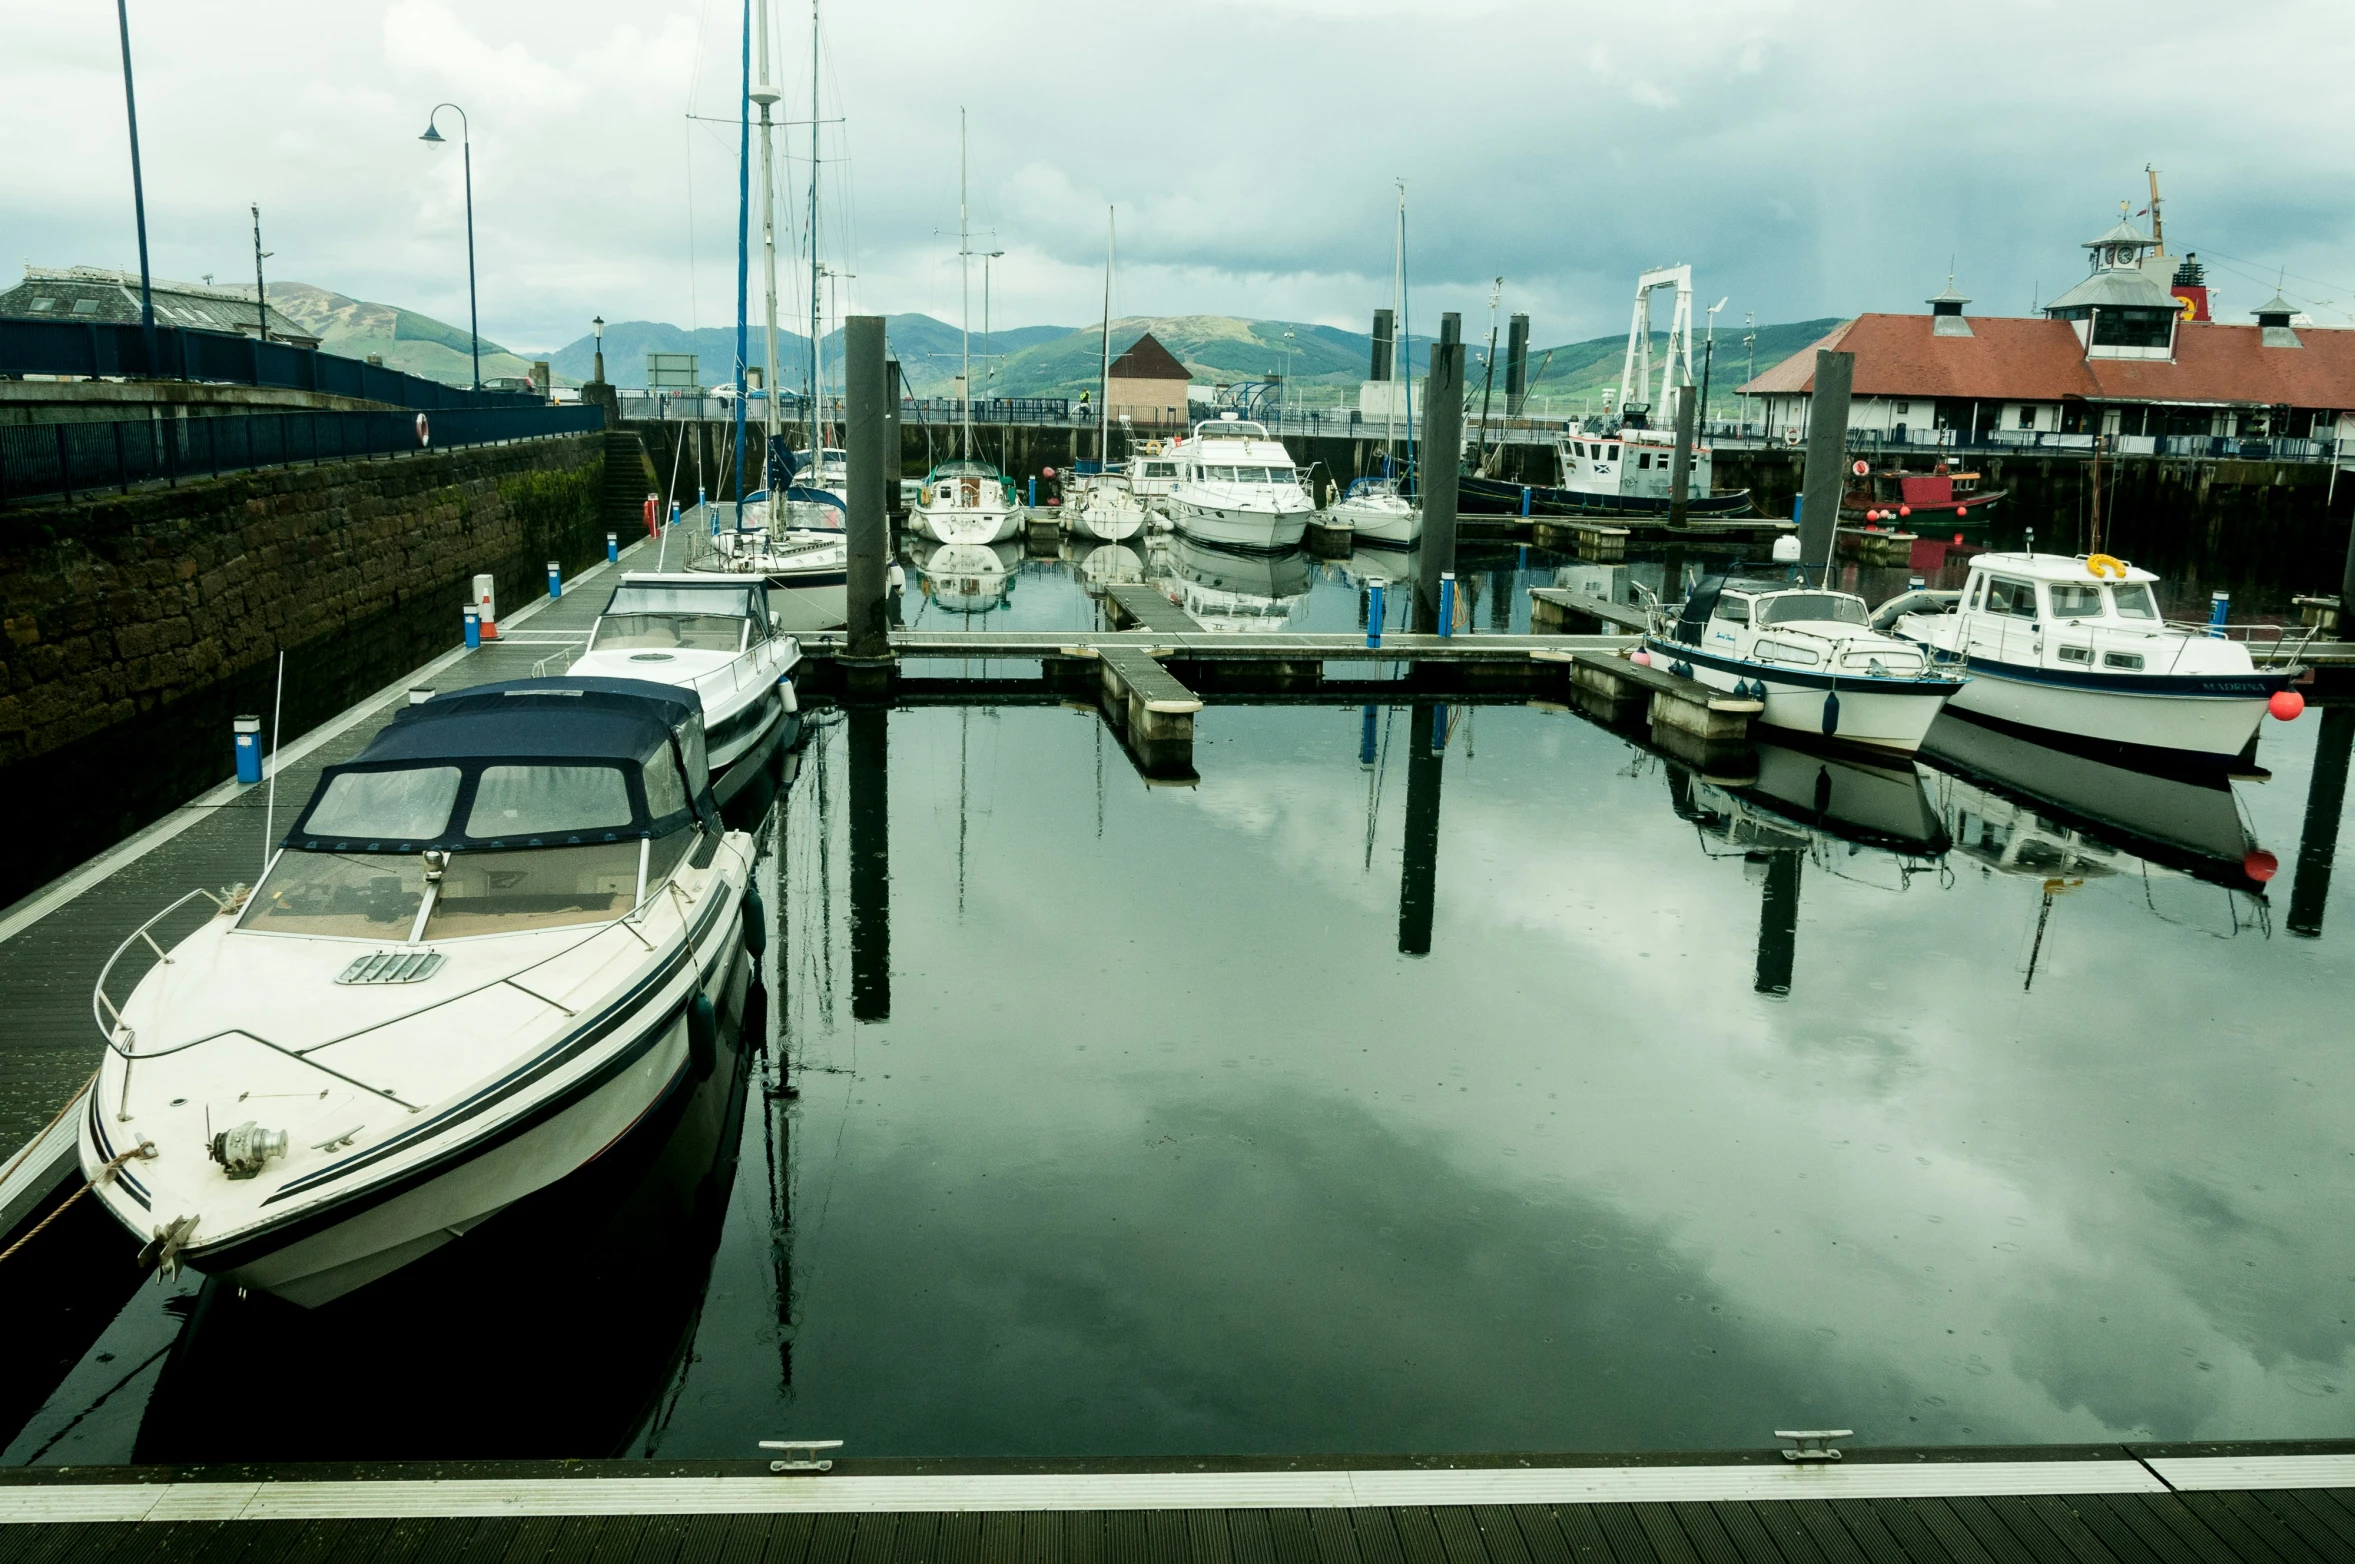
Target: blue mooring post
column 1365, row 736
column 674, row 521
column 473, row 627
column 555, row 580
column 1525, row 502
column 1447, row 603
column 1438, row 729
column 1374, row 613
column 2219, row 609
column 1034, row 493
column 248, row 731
column 612, row 548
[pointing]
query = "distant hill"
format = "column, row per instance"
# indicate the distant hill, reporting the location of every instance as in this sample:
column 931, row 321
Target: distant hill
column 404, row 339
column 928, row 351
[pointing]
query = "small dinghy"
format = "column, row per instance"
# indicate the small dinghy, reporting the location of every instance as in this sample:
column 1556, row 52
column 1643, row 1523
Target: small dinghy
column 491, row 945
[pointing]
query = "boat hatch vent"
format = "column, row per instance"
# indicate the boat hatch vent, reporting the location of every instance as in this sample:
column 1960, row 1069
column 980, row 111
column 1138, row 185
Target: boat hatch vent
column 393, row 966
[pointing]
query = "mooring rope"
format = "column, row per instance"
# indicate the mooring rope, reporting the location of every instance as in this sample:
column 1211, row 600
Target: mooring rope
column 107, row 1170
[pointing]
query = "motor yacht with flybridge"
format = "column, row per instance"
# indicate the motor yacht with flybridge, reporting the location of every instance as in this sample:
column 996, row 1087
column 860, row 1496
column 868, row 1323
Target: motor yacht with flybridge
column 1810, row 655
column 491, row 944
column 713, row 634
column 1237, row 488
column 2075, row 648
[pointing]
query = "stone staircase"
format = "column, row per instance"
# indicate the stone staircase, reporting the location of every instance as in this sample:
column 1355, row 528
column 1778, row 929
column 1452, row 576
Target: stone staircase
column 629, row 478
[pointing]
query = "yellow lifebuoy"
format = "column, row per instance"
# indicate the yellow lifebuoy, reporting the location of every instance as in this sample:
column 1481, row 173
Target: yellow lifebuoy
column 1152, row 447
column 2106, row 565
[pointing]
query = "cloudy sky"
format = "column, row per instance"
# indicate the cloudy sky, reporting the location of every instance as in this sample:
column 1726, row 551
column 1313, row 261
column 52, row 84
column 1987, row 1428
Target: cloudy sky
column 1808, row 159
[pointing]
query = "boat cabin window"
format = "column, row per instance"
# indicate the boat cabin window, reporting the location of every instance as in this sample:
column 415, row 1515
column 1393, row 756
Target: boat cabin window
column 1643, row 461
column 653, row 617
column 539, row 888
column 511, row 801
column 351, row 895
column 410, row 805
column 1251, row 475
column 1610, row 453
column 1281, row 475
column 1787, row 607
column 666, row 790
column 2007, row 596
column 2133, row 601
column 2130, row 661
column 1978, row 591
column 1161, row 469
column 1736, row 609
column 1788, row 652
column 2076, row 600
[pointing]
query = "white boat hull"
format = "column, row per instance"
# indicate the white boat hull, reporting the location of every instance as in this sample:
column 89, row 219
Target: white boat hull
column 1381, row 523
column 1891, row 719
column 1233, row 527
column 2216, row 726
column 947, row 524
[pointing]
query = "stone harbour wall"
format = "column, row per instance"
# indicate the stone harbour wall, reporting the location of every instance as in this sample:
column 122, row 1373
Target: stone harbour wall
column 134, row 627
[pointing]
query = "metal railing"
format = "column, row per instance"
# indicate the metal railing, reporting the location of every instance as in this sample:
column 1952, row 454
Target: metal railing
column 2038, row 442
column 72, row 460
column 111, row 350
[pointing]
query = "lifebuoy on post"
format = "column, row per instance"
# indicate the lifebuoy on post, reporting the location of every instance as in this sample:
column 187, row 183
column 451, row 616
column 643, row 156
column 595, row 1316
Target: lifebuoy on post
column 424, row 431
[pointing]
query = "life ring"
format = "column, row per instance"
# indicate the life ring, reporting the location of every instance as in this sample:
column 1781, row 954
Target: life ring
column 424, row 431
column 1152, row 447
column 2106, row 565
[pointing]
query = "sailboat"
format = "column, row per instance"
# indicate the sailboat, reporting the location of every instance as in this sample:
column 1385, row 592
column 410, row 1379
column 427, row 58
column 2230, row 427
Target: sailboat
column 1107, row 508
column 1376, row 510
column 966, row 500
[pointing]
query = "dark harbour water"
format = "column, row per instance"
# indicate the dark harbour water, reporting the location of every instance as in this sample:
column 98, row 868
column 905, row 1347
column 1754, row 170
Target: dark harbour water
column 1991, row 1101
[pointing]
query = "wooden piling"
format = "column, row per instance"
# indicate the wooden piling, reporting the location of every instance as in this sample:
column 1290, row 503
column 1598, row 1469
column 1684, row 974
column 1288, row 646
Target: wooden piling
column 1443, row 450
column 869, row 526
column 1827, row 457
column 1680, row 472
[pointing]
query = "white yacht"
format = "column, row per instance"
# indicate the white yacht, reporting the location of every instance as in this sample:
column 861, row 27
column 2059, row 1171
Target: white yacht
column 967, row 578
column 1228, row 590
column 1237, row 488
column 1375, row 512
column 1811, row 656
column 491, row 945
column 1153, row 476
column 806, row 568
column 2076, row 647
column 716, row 635
column 968, row 501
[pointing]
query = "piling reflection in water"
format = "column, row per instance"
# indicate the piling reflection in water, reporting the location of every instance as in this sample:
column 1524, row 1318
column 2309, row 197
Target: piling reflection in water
column 870, row 862
column 1418, row 886
column 2318, row 842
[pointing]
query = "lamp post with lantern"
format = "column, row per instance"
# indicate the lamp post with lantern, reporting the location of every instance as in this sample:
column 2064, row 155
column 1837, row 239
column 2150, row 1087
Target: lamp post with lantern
column 466, row 145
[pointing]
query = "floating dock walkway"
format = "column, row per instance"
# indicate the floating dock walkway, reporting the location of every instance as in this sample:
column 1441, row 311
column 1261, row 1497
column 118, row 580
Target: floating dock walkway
column 2108, row 1505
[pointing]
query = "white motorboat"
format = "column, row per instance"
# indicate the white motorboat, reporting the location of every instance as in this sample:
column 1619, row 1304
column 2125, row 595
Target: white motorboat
column 1237, row 591
column 1811, row 656
column 491, row 945
column 968, row 501
column 1237, row 488
column 1375, row 512
column 2076, row 647
column 716, row 635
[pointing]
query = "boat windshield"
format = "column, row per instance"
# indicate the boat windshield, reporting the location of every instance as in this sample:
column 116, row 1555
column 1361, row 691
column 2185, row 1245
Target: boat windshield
column 2076, row 600
column 1789, row 607
column 670, row 632
column 2133, row 600
column 537, row 888
column 353, row 895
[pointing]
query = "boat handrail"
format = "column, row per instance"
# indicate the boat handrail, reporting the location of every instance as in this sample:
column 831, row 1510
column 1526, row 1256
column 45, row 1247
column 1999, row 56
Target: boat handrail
column 302, row 1055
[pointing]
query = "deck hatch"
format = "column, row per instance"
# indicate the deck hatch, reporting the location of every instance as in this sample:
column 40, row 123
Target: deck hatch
column 393, row 966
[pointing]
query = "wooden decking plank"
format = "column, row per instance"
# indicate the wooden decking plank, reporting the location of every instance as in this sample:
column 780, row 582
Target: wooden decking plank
column 1206, row 1536
column 830, row 1538
column 915, row 1539
column 1003, row 1537
column 141, row 1544
column 2125, row 1544
column 769, row 1539
column 1083, row 1537
column 2213, row 1513
column 1628, row 1542
column 37, row 1542
column 1665, row 1533
column 2262, row 1522
column 1995, row 1536
column 1418, row 1537
column 1749, row 1533
column 2172, row 1531
column 1562, row 1534
column 1336, row 1536
column 1295, row 1540
column 65, row 1540
column 2282, row 1508
column 431, row 1539
column 2342, row 1498
column 269, row 1542
column 1911, row 1532
column 1167, row 1537
column 960, row 1538
column 1959, row 1541
column 705, row 1539
column 362, row 1539
column 1864, row 1527
column 662, row 1540
column 497, row 1539
column 1706, row 1533
column 1787, row 1525
column 1124, row 1536
column 1247, row 1534
column 1459, row 1534
column 1500, row 1533
column 2321, row 1506
column 617, row 1541
column 872, row 1535
column 2056, row 1535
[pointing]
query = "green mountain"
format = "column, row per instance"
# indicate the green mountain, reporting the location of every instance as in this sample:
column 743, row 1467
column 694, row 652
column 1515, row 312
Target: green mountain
column 404, row 339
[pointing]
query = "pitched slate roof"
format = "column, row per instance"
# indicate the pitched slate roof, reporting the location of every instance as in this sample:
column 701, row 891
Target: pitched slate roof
column 2015, row 360
column 1149, row 360
column 91, row 293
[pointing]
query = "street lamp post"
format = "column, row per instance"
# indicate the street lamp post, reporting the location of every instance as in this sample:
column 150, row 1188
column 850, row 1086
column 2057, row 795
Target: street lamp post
column 989, row 365
column 597, row 331
column 138, row 190
column 466, row 145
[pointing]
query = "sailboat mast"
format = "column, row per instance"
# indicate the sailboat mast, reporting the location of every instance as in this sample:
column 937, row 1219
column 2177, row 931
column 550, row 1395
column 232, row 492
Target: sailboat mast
column 965, row 292
column 1397, row 348
column 1406, row 335
column 817, row 378
column 1104, row 372
column 766, row 95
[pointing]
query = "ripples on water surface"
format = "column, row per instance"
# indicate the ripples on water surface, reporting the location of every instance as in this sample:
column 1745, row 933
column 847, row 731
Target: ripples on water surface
column 1795, row 1094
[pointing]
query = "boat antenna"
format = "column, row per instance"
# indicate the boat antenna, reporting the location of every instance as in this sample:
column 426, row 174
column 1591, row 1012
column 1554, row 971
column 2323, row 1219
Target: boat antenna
column 965, row 290
column 1104, row 380
column 1488, row 381
column 270, row 807
column 1397, row 347
column 1406, row 336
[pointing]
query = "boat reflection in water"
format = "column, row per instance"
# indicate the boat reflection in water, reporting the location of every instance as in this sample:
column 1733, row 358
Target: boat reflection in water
column 1861, row 819
column 1227, row 590
column 555, row 1329
column 967, row 578
column 1101, row 565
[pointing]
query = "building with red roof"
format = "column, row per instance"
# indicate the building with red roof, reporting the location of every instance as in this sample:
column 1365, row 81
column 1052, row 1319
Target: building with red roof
column 2119, row 354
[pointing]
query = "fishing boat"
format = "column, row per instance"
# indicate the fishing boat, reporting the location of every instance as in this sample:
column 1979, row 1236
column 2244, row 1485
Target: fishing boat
column 716, row 635
column 491, row 944
column 1626, row 467
column 2076, row 647
column 1812, row 657
column 1237, row 488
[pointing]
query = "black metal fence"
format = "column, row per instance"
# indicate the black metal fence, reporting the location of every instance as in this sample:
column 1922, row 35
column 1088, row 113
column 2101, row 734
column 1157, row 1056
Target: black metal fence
column 70, row 461
column 107, row 348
